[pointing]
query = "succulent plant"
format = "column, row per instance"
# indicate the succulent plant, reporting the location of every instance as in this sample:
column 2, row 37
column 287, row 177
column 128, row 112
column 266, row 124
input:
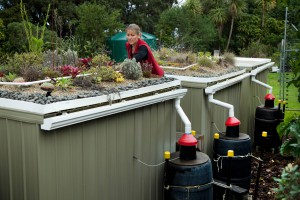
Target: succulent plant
column 19, row 80
column 131, row 69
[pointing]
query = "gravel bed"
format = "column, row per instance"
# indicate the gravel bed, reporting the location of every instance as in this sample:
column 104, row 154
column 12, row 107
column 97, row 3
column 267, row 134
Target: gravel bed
column 40, row 97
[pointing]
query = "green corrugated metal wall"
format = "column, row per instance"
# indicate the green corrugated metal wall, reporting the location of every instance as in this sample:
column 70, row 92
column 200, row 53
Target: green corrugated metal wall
column 203, row 115
column 91, row 160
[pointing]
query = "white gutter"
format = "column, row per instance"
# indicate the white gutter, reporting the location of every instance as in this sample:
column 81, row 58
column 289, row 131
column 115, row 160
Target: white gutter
column 94, row 113
column 225, row 84
column 220, row 103
column 258, row 70
column 184, row 118
column 262, row 68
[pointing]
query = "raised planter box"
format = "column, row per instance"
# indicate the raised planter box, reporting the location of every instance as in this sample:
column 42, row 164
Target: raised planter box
column 89, row 148
column 234, row 88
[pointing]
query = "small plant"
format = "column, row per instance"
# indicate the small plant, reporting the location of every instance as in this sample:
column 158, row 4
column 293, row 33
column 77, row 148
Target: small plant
column 10, row 77
column 147, row 69
column 119, row 77
column 290, row 130
column 84, row 81
column 131, row 69
column 19, row 80
column 228, row 58
column 100, row 60
column 63, row 83
column 31, row 73
column 49, row 72
column 289, row 183
column 107, row 73
column 68, row 70
column 85, row 63
column 205, row 62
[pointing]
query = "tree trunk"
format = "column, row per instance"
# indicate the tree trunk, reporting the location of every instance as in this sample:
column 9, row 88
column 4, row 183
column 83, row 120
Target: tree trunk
column 230, row 33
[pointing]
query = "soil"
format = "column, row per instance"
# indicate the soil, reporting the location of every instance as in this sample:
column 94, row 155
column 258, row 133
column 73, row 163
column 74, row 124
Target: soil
column 272, row 166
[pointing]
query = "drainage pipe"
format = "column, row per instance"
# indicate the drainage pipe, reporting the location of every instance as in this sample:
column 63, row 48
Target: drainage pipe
column 221, row 103
column 184, row 118
column 261, row 83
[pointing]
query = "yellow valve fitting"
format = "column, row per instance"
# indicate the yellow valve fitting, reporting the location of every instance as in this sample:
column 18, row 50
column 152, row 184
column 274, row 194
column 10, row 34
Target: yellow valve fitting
column 193, row 132
column 264, row 134
column 216, row 136
column 284, row 102
column 279, row 101
column 230, row 153
column 167, row 155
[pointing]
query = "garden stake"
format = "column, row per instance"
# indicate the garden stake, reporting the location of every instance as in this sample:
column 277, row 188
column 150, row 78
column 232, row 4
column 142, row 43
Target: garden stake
column 264, row 135
column 167, row 156
column 230, row 154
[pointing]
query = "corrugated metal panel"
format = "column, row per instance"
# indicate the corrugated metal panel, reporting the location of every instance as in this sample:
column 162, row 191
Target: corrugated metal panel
column 91, row 160
column 206, row 117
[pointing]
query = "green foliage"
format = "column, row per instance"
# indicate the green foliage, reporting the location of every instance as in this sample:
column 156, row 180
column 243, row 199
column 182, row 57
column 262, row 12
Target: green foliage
column 2, row 36
column 131, row 69
column 35, row 43
column 229, row 58
column 181, row 28
column 100, row 60
column 107, row 73
column 205, row 62
column 289, row 183
column 290, row 130
column 64, row 83
column 295, row 65
column 20, row 62
column 94, row 25
column 256, row 50
column 10, row 77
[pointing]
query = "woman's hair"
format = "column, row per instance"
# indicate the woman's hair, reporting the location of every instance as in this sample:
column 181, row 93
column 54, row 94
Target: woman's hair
column 134, row 28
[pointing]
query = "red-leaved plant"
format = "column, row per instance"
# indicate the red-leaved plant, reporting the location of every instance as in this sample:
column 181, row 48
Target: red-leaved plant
column 68, row 70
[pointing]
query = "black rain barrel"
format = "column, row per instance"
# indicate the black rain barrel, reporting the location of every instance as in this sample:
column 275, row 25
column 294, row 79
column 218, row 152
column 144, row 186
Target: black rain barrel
column 267, row 119
column 189, row 179
column 240, row 166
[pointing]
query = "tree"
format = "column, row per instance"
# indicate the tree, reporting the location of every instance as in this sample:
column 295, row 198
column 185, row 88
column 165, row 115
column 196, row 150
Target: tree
column 179, row 27
column 95, row 24
column 236, row 9
column 265, row 5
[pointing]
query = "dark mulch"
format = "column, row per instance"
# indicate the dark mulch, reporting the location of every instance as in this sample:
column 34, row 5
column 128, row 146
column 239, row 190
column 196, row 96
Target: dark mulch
column 272, row 166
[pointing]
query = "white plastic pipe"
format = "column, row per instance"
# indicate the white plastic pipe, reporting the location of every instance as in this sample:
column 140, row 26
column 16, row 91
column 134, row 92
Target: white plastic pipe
column 263, row 84
column 184, row 118
column 220, row 103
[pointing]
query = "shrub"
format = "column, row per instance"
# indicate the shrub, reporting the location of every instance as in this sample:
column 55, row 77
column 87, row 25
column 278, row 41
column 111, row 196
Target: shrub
column 205, row 62
column 290, row 130
column 131, row 69
column 229, row 58
column 289, row 183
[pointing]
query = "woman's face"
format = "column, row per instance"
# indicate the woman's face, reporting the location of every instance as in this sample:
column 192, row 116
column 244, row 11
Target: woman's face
column 132, row 37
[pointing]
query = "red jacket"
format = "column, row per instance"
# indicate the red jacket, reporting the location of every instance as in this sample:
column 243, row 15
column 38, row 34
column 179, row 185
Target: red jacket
column 156, row 69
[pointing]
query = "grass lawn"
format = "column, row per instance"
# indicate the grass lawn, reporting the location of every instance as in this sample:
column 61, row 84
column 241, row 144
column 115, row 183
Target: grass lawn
column 291, row 94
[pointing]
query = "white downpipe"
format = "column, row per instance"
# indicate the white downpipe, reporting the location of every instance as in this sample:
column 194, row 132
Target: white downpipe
column 223, row 104
column 184, row 118
column 263, row 84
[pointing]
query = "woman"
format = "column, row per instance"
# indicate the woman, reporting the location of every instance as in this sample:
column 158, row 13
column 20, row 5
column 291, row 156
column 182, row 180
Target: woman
column 139, row 49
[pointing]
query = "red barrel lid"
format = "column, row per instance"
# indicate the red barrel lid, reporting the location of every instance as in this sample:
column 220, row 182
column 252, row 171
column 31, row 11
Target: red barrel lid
column 187, row 140
column 269, row 97
column 232, row 121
